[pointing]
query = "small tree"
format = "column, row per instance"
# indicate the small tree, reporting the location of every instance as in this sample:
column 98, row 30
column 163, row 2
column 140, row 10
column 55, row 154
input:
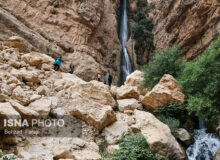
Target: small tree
column 165, row 62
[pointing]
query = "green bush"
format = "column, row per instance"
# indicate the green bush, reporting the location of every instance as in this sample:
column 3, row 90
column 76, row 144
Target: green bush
column 139, row 16
column 201, row 82
column 134, row 147
column 7, row 157
column 172, row 110
column 173, row 123
column 165, row 62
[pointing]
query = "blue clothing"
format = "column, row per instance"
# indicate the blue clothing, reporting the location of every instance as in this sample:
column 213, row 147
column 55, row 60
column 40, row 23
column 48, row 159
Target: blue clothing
column 58, row 61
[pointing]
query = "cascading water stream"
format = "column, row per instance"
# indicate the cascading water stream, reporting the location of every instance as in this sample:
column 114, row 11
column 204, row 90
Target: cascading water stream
column 205, row 145
column 123, row 36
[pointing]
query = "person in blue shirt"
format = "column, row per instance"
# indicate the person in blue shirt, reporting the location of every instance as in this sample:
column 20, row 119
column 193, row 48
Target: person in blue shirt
column 57, row 63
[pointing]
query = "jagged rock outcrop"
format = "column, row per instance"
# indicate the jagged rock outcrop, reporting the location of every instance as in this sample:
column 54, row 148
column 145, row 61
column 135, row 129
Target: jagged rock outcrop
column 35, row 89
column 192, row 24
column 83, row 32
column 167, row 90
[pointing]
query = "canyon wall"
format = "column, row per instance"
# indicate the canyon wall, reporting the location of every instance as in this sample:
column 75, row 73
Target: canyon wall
column 84, row 32
column 193, row 24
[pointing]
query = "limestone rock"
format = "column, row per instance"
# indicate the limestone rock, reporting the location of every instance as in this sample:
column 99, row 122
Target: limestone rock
column 167, row 90
column 134, row 79
column 113, row 90
column 43, row 90
column 158, row 135
column 92, row 112
column 95, row 91
column 25, row 112
column 112, row 148
column 127, row 92
column 79, row 142
column 37, row 59
column 41, row 106
column 25, row 75
column 15, row 42
column 7, row 112
column 129, row 119
column 129, row 104
column 114, row 132
column 86, row 155
column 62, row 151
column 21, row 95
column 184, row 136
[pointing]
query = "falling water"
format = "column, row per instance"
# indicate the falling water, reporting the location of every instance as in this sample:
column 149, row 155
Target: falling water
column 123, row 36
column 205, row 145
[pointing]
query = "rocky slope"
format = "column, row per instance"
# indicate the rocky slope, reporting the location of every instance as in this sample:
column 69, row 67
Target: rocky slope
column 84, row 32
column 30, row 88
column 193, row 24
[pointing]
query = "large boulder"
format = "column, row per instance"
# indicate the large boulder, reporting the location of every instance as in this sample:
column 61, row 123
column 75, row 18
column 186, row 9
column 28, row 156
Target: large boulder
column 25, row 112
column 134, row 79
column 158, row 135
column 41, row 106
column 37, row 59
column 125, row 91
column 95, row 91
column 7, row 112
column 114, row 132
column 167, row 90
column 94, row 113
column 129, row 104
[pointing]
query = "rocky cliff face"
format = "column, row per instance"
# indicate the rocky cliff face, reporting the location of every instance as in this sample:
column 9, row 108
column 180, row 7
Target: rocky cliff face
column 83, row 32
column 193, row 24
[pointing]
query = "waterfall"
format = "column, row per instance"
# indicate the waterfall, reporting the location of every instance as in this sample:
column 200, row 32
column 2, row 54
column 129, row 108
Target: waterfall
column 123, row 36
column 205, row 145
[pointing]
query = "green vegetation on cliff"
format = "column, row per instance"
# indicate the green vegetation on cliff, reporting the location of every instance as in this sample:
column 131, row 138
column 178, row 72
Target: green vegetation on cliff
column 201, row 83
column 141, row 31
column 200, row 78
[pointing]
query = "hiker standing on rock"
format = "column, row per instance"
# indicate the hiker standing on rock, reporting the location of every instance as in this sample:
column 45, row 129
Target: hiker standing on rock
column 57, row 63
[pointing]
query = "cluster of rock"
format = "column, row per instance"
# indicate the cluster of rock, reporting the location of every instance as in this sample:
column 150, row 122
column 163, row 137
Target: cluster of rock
column 30, row 87
column 83, row 32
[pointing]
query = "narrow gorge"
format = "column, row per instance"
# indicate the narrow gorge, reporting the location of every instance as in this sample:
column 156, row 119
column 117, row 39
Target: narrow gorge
column 162, row 101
